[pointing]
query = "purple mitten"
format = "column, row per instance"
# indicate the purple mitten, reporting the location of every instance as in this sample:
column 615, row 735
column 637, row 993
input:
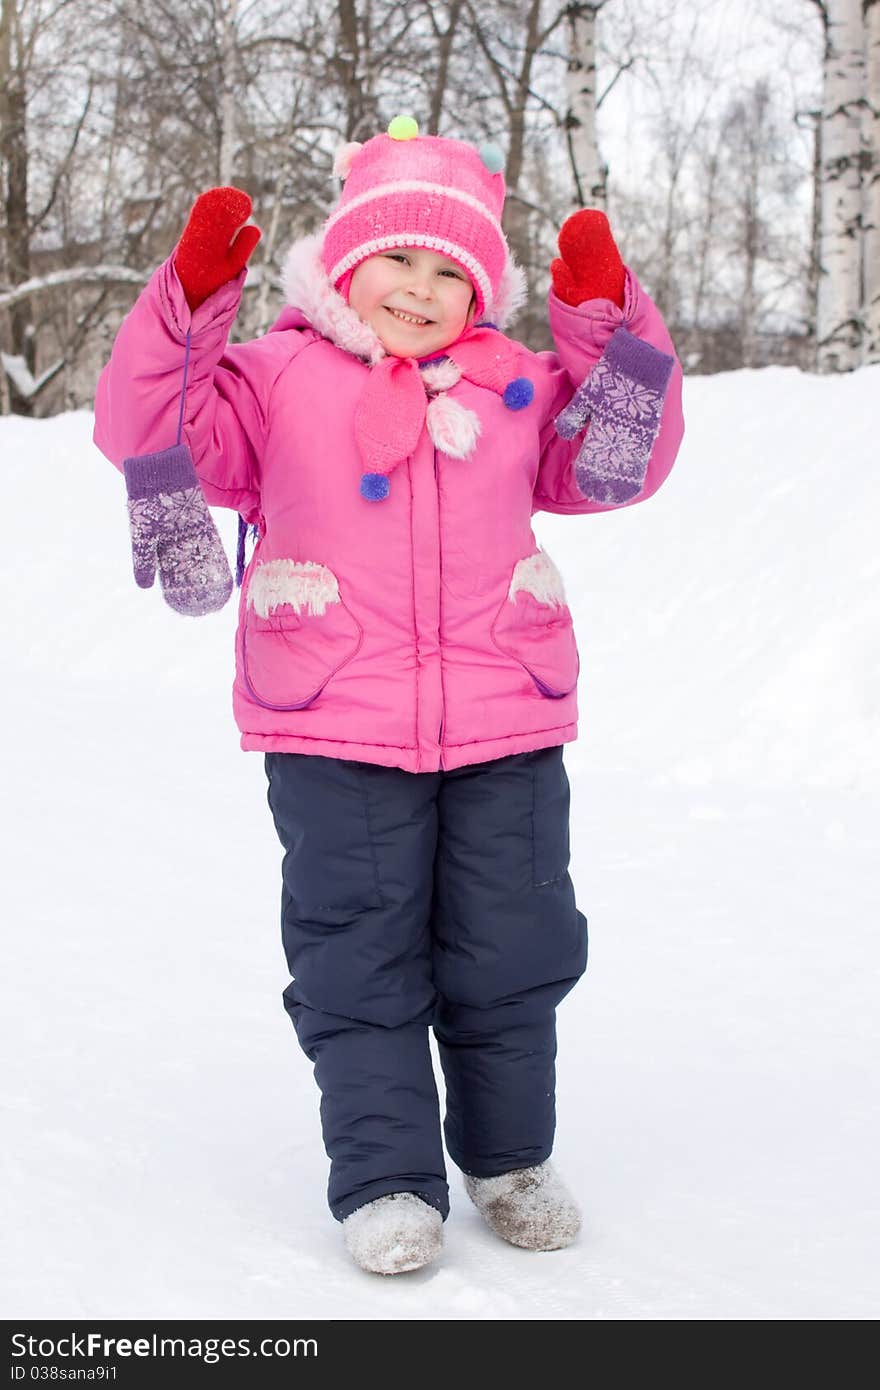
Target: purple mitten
column 623, row 400
column 574, row 417
column 172, row 528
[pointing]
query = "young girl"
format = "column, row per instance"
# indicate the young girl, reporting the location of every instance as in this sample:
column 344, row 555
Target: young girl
column 405, row 657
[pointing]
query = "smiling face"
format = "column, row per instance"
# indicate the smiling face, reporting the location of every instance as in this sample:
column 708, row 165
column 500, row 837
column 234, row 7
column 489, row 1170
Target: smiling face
column 417, row 301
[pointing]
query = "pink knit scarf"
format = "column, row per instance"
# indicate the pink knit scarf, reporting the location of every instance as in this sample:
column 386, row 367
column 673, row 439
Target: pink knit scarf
column 390, row 414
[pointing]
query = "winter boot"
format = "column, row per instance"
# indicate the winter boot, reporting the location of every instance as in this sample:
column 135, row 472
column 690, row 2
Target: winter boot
column 530, row 1207
column 394, row 1233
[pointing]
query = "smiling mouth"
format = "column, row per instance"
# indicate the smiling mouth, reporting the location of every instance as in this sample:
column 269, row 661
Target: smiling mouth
column 407, row 318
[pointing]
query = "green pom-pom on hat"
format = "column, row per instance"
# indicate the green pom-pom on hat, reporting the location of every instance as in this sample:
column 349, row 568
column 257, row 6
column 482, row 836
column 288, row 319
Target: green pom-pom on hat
column 492, row 156
column 403, row 128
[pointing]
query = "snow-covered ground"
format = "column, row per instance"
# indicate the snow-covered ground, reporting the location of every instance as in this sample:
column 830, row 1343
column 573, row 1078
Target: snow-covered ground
column 718, row 1106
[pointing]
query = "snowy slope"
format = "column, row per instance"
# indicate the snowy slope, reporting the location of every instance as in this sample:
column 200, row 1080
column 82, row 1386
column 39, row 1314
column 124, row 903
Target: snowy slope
column 717, row 1097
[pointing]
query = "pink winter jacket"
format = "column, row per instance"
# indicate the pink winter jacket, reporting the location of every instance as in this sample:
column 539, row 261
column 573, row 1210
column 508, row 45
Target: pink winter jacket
column 424, row 631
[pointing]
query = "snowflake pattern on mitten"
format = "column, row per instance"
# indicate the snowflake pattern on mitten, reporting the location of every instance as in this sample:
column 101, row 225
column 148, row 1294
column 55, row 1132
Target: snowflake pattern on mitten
column 622, row 402
column 172, row 531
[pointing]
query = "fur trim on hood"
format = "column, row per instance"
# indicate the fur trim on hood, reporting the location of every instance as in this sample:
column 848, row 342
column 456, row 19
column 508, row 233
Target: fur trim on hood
column 513, row 291
column 307, row 287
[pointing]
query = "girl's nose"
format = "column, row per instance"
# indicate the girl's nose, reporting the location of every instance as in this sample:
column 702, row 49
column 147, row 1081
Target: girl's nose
column 419, row 290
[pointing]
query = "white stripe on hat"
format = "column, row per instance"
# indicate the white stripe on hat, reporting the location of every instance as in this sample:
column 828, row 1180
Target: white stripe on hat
column 382, row 190
column 433, row 243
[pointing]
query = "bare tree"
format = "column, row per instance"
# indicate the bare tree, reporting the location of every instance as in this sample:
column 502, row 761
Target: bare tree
column 16, row 56
column 46, row 96
column 110, row 128
column 708, row 219
column 354, row 67
column 754, row 141
column 510, row 37
column 445, row 39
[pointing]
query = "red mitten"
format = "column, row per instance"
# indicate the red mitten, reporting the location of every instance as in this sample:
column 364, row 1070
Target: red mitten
column 206, row 255
column 590, row 267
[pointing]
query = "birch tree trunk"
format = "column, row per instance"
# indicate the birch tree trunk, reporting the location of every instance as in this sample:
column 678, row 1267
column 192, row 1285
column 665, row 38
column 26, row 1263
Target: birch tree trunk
column 872, row 184
column 227, row 17
column 839, row 319
column 815, row 226
column 589, row 176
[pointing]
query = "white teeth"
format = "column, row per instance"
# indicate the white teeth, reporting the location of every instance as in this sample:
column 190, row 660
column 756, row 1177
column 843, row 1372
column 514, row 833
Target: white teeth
column 407, row 318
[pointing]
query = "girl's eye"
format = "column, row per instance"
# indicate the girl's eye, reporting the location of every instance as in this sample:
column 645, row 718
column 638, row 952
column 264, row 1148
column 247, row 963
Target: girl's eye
column 396, row 256
column 454, row 273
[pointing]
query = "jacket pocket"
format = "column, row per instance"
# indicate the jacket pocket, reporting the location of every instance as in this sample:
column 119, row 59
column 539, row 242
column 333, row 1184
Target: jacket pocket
column 534, row 626
column 297, row 633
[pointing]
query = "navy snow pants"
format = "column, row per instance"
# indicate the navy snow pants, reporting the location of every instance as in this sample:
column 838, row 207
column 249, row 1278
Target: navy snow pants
column 427, row 900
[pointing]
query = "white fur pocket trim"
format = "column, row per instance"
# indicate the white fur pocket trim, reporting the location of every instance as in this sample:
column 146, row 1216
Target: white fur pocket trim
column 301, row 583
column 538, row 576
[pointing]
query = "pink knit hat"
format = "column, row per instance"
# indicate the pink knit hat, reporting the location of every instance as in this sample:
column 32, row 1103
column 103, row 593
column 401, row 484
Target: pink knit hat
column 406, row 189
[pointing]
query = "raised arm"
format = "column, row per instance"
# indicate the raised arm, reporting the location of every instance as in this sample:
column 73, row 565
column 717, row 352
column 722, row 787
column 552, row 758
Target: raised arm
column 616, row 420
column 190, row 302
